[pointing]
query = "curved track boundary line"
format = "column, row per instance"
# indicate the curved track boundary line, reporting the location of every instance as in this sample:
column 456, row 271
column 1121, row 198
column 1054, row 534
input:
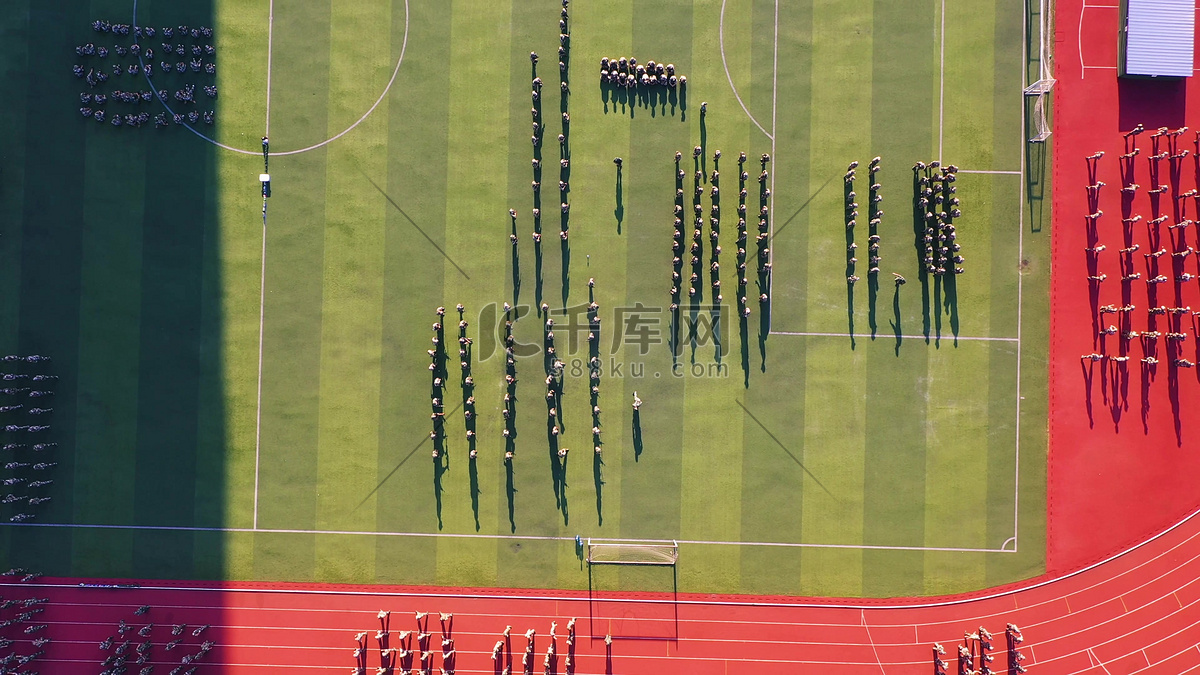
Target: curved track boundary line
column 327, row 141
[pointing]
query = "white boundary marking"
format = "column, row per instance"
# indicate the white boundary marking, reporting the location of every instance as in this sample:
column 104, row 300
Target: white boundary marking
column 774, row 168
column 494, row 537
column 262, row 306
column 962, row 599
column 987, row 171
column 728, row 76
column 942, row 83
column 327, row 141
column 270, row 35
column 960, row 338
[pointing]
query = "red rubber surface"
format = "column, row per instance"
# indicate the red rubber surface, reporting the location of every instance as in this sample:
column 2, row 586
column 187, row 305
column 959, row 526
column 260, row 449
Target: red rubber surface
column 1123, row 448
column 1139, row 612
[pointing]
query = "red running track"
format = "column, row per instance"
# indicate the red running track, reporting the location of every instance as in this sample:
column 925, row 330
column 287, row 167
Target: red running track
column 1122, row 462
column 1124, row 449
column 1138, row 612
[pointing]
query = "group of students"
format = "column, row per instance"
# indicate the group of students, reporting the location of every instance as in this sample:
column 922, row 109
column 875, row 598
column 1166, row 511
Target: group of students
column 1174, row 332
column 409, row 654
column 976, row 650
column 141, row 63
column 627, row 73
column 938, row 204
column 762, row 239
column 123, row 651
column 23, row 422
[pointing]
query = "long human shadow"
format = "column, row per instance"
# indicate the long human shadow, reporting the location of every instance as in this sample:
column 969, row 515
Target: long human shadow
column 598, row 481
column 936, row 309
column 951, row 303
column 850, row 312
column 562, row 505
column 537, row 273
column 637, row 435
column 510, row 489
column 474, row 471
column 566, row 271
column 744, row 329
column 619, row 212
column 516, row 267
column 896, row 319
column 764, row 330
column 439, row 469
column 872, row 294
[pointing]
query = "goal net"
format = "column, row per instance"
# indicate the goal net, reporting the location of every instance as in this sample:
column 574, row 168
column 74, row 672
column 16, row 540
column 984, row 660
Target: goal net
column 1041, row 128
column 1045, row 56
column 631, row 552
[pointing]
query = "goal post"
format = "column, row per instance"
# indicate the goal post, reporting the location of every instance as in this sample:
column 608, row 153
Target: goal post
column 632, row 552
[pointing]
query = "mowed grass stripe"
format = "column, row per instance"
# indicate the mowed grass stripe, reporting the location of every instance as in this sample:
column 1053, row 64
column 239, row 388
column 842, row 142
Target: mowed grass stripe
column 652, row 489
column 14, row 78
column 597, row 136
column 232, row 274
column 418, row 110
column 711, row 492
column 476, row 192
column 1031, row 545
column 773, row 479
column 533, row 28
column 352, row 295
column 14, row 65
column 48, row 318
column 894, row 485
column 110, row 339
column 292, row 312
column 835, row 435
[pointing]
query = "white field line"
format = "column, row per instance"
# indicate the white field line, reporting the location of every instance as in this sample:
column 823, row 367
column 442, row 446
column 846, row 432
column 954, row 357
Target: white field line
column 1020, row 303
column 504, row 537
column 728, row 76
column 270, row 31
column 1008, row 592
column 327, row 141
column 775, row 168
column 986, row 171
column 963, row 338
column 942, row 83
column 262, row 306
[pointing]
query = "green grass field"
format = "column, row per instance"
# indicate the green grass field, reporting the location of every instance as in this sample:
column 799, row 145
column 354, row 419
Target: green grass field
column 812, row 464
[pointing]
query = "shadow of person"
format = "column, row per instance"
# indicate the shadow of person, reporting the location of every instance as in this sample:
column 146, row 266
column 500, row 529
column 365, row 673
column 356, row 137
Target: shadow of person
column 896, row 319
column 619, row 212
column 637, row 434
column 516, row 266
column 537, row 274
column 872, row 295
column 850, row 312
column 764, row 330
column 605, row 92
column 1086, row 368
column 566, row 271
column 744, row 329
column 951, row 302
column 439, row 468
column 598, row 481
column 510, row 488
column 474, row 471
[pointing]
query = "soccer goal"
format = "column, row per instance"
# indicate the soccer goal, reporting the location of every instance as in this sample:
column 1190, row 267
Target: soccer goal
column 632, row 552
column 1045, row 81
column 1041, row 128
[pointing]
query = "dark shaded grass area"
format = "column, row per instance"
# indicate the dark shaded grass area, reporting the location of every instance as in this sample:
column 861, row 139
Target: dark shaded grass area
column 116, row 236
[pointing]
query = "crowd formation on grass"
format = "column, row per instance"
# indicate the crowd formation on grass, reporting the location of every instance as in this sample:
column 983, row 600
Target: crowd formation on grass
column 975, row 655
column 126, row 79
column 1162, row 266
column 697, row 265
column 25, row 413
column 133, row 646
column 23, row 638
column 414, row 650
column 935, row 207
